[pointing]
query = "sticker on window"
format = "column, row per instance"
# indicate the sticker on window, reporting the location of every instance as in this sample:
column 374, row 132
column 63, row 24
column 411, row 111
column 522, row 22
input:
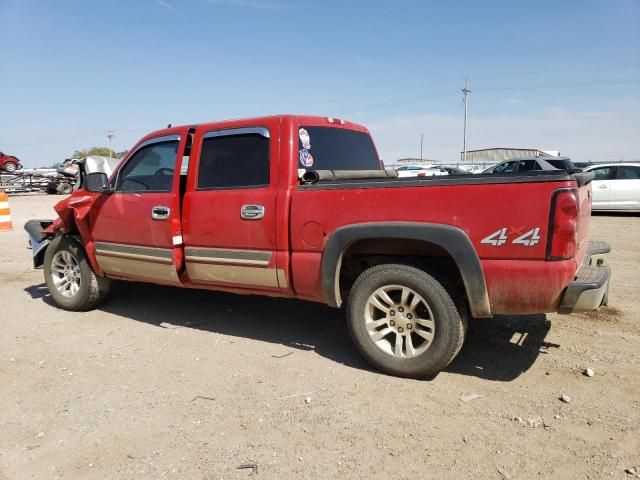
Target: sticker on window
column 306, row 160
column 305, row 139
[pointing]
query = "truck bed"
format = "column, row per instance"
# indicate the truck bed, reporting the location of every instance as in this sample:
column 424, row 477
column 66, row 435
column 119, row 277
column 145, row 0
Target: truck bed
column 480, row 205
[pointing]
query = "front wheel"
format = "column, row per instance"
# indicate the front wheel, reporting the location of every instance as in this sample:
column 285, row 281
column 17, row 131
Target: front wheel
column 403, row 321
column 10, row 167
column 72, row 283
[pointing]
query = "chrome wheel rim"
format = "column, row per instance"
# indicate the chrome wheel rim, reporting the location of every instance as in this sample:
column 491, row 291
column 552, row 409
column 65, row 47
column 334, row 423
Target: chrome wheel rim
column 399, row 321
column 65, row 273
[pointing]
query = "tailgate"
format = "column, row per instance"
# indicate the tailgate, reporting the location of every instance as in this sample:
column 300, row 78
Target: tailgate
column 584, row 213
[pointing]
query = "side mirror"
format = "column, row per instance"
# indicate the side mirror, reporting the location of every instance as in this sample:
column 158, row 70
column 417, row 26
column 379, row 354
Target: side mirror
column 97, row 182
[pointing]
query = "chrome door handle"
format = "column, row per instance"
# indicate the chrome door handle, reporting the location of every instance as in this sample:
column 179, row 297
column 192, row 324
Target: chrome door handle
column 252, row 212
column 602, row 186
column 160, row 212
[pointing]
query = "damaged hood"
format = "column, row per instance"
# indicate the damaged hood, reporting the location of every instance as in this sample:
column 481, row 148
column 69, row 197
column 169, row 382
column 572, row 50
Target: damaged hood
column 97, row 163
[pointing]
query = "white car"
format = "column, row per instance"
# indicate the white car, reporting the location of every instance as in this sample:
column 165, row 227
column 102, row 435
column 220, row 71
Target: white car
column 419, row 171
column 616, row 186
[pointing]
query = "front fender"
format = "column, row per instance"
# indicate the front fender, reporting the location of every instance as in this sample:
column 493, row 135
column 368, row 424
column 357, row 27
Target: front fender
column 452, row 239
column 74, row 217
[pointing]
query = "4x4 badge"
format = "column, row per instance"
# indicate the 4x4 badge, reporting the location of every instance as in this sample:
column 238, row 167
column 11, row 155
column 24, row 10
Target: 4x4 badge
column 500, row 237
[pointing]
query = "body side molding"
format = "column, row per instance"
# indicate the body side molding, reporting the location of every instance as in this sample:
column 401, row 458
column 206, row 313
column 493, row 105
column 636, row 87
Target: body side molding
column 453, row 240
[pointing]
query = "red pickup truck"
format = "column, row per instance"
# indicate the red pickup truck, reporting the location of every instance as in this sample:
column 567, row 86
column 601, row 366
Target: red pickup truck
column 301, row 206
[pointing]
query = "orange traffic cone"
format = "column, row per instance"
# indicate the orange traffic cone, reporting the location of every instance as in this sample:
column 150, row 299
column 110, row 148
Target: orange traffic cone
column 5, row 213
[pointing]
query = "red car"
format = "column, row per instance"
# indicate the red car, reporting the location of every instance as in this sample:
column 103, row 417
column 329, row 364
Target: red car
column 300, row 206
column 9, row 163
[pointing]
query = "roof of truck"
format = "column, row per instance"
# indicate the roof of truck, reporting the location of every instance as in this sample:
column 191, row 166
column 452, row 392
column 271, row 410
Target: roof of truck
column 237, row 122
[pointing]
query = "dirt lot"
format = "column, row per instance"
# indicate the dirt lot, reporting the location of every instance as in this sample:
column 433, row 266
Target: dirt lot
column 170, row 383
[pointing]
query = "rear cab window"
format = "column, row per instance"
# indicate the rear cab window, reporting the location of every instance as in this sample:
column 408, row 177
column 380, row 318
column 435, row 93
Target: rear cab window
column 330, row 148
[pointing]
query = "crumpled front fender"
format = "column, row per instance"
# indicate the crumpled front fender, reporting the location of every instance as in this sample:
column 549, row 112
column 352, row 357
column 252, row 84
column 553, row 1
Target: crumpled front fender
column 74, row 214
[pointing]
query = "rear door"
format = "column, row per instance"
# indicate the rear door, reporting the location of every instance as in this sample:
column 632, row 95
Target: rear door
column 229, row 212
column 134, row 228
column 601, row 186
column 625, row 188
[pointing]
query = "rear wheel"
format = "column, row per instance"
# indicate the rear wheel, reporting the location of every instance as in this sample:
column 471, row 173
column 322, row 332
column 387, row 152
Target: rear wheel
column 10, row 167
column 72, row 283
column 404, row 322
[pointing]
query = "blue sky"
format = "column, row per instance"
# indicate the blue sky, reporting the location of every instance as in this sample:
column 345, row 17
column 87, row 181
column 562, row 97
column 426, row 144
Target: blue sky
column 557, row 75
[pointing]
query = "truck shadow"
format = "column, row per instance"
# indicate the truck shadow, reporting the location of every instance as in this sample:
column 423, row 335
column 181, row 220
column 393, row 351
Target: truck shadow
column 504, row 347
column 499, row 349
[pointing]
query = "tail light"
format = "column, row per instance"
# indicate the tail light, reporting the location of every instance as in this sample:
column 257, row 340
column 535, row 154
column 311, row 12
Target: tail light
column 562, row 237
column 422, row 174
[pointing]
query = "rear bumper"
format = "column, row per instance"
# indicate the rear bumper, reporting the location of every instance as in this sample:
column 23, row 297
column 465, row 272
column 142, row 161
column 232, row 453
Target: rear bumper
column 589, row 290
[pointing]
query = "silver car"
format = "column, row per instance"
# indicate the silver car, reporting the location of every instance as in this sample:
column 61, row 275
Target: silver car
column 616, row 186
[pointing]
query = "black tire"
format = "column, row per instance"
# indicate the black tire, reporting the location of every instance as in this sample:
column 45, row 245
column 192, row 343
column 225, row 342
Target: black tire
column 65, row 188
column 10, row 167
column 52, row 188
column 449, row 321
column 92, row 289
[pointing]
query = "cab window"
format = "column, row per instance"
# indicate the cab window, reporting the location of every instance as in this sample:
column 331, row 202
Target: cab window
column 150, row 169
column 626, row 172
column 327, row 148
column 527, row 165
column 507, row 167
column 603, row 173
column 234, row 160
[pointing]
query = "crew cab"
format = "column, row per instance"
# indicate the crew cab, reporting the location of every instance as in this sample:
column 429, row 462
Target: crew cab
column 9, row 163
column 301, row 206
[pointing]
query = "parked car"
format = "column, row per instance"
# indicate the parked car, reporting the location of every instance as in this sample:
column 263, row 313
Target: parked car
column 301, row 207
column 419, row 171
column 9, row 163
column 532, row 164
column 455, row 170
column 616, row 186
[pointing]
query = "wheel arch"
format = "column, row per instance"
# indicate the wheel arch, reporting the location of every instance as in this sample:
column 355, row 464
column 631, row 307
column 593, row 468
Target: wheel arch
column 450, row 239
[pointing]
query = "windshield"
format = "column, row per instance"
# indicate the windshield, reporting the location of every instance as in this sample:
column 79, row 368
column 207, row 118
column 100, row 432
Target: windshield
column 327, row 148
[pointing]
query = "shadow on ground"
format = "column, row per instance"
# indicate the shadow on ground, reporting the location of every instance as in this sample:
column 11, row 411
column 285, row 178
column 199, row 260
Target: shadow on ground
column 619, row 213
column 499, row 349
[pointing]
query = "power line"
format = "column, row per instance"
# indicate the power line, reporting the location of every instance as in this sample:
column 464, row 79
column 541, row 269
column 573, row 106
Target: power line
column 404, row 101
column 431, row 96
column 533, row 86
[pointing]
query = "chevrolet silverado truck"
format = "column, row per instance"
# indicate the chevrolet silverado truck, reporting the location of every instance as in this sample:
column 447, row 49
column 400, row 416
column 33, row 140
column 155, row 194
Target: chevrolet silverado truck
column 302, row 207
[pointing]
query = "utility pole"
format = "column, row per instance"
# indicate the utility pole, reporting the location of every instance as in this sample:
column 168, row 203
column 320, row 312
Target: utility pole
column 110, row 136
column 421, row 140
column 465, row 100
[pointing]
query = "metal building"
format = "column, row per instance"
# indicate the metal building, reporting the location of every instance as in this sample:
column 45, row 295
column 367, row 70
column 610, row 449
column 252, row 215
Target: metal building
column 496, row 155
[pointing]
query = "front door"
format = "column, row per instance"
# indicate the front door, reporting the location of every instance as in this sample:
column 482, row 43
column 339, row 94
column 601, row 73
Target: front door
column 229, row 212
column 601, row 186
column 133, row 229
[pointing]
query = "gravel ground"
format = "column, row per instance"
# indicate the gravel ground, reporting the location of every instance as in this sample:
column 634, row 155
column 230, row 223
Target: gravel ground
column 170, row 383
